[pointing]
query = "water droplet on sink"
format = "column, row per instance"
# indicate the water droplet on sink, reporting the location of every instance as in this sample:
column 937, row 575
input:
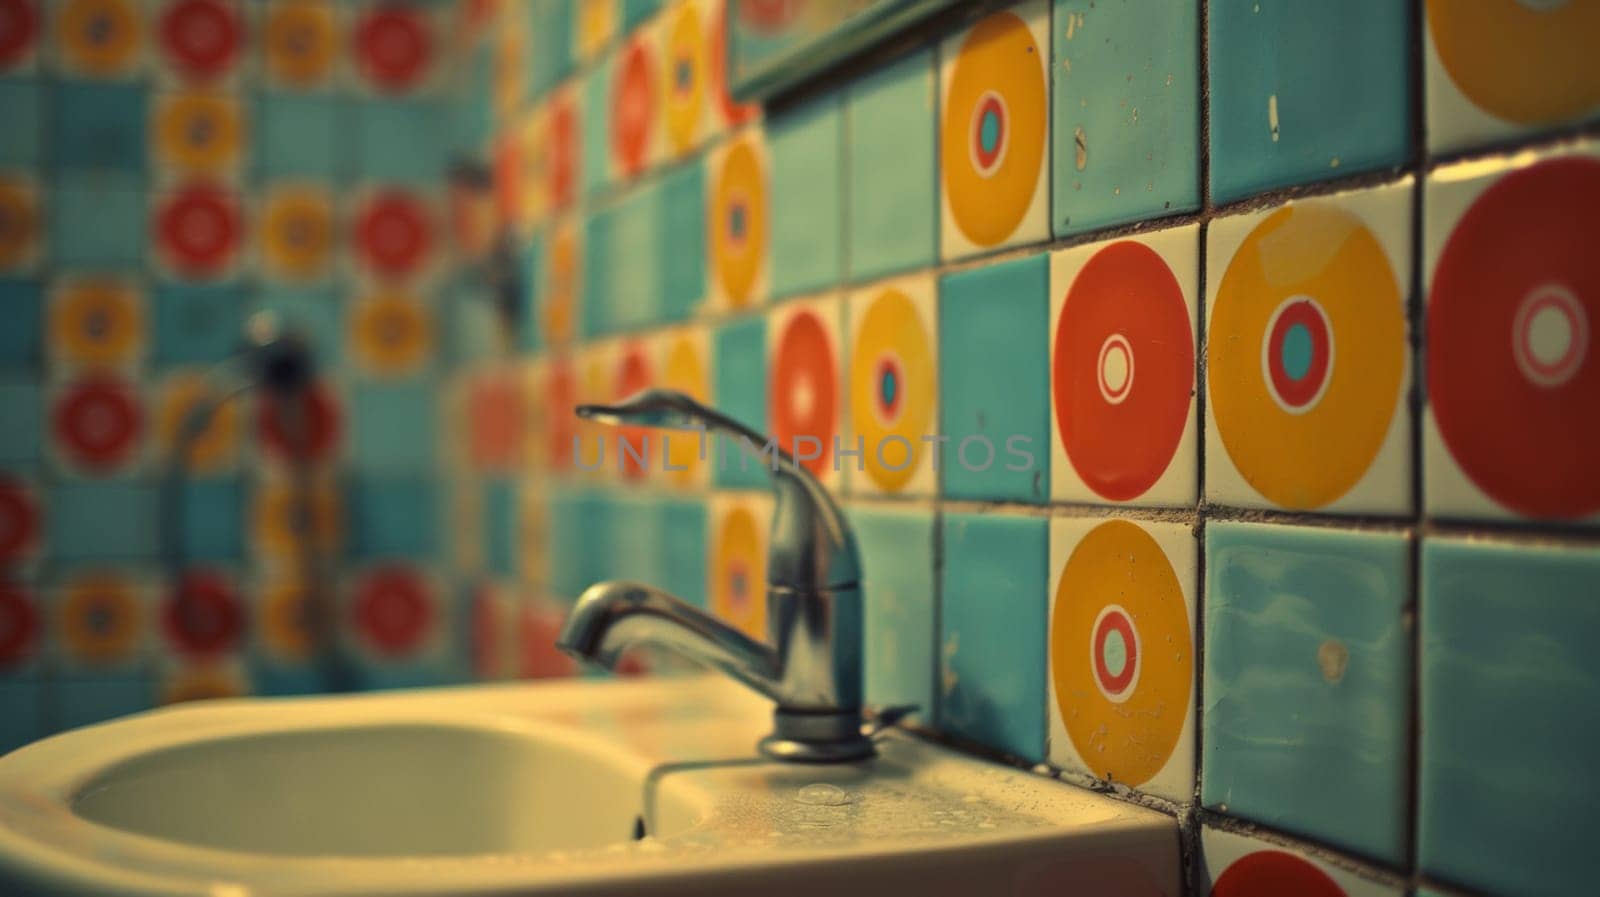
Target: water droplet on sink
column 822, row 794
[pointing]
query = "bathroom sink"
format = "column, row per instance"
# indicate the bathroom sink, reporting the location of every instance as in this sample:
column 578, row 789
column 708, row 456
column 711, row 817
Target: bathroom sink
column 638, row 787
column 310, row 792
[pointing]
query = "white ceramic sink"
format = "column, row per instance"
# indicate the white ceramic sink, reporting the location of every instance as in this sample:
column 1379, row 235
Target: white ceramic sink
column 541, row 789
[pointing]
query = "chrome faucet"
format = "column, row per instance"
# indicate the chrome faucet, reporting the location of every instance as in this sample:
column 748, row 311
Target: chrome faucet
column 810, row 664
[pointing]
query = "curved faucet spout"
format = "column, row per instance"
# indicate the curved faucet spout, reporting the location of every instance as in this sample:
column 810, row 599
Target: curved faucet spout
column 612, row 617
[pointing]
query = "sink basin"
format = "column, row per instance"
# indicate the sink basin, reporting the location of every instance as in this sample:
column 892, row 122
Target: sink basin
column 316, row 792
column 541, row 789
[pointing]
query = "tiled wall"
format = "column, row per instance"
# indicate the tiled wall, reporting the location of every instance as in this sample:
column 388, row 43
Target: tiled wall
column 1279, row 319
column 168, row 168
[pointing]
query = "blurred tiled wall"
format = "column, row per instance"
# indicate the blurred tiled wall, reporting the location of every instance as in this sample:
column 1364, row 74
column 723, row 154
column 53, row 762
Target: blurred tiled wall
column 1263, row 335
column 169, row 168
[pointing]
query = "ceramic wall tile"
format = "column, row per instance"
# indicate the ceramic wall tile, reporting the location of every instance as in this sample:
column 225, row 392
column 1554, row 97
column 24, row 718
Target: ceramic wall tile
column 214, row 513
column 891, row 207
column 806, row 393
column 1495, row 72
column 635, row 106
column 738, row 221
column 684, row 32
column 98, row 426
column 1306, row 94
column 1512, row 328
column 20, row 349
column 595, row 173
column 103, row 622
column 993, row 611
column 683, row 527
column 100, row 127
column 97, row 221
column 1122, row 652
column 737, row 560
column 807, row 176
column 1122, row 370
column 1235, row 865
column 681, row 249
column 994, row 132
column 21, row 525
column 97, row 520
column 1510, row 714
column 22, row 619
column 994, row 370
column 401, row 140
column 1125, row 112
column 739, row 388
column 393, row 427
column 22, row 403
column 25, row 720
column 898, row 597
column 1308, row 683
column 23, row 143
column 297, row 135
column 684, row 363
column 395, row 516
column 96, row 323
column 892, row 387
column 23, row 240
column 395, row 625
column 1308, row 360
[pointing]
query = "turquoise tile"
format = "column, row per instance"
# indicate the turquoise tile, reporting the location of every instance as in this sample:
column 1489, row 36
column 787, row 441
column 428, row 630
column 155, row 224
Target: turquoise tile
column 98, row 221
column 635, row 294
column 22, row 140
column 1125, row 112
column 598, row 275
column 632, row 538
column 594, row 126
column 681, row 548
column 394, row 517
column 401, row 141
column 530, row 337
column 473, row 330
column 549, row 50
column 808, row 232
column 994, row 381
column 992, row 642
column 213, row 519
column 316, row 313
column 394, row 427
column 103, row 520
column 21, row 326
column 22, row 409
column 636, row 11
column 82, row 701
column 897, row 561
column 1510, row 716
column 1338, row 76
column 302, row 135
column 1307, row 683
column 681, row 249
column 21, row 713
column 575, row 545
column 197, row 324
column 500, row 526
column 892, row 208
column 739, row 388
column 98, row 127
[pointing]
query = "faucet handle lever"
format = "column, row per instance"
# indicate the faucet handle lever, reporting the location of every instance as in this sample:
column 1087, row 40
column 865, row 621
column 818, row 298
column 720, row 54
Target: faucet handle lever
column 812, row 546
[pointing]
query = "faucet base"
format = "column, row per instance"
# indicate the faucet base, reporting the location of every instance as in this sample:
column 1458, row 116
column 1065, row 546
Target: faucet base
column 813, row 737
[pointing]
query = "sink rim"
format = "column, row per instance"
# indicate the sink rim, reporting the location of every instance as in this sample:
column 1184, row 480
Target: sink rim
column 691, row 724
column 42, row 835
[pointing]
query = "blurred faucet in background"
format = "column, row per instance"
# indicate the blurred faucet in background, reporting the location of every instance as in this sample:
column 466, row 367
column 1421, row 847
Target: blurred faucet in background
column 276, row 362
